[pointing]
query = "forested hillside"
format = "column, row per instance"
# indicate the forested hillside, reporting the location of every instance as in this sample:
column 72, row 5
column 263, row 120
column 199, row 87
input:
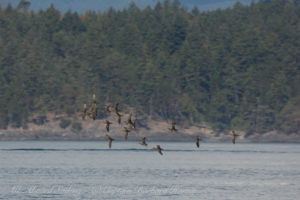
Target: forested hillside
column 81, row 6
column 232, row 69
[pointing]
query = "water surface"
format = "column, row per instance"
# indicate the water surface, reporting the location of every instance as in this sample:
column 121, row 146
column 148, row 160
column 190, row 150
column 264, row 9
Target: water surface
column 89, row 170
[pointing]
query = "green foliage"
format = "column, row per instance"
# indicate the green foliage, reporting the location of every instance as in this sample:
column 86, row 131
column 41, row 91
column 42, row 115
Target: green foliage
column 235, row 68
column 64, row 123
column 289, row 117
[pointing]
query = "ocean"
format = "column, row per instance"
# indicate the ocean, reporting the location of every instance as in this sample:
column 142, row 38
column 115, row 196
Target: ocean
column 90, row 170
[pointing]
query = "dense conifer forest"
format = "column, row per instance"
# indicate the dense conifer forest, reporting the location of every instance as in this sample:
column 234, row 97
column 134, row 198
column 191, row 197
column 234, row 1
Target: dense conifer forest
column 237, row 68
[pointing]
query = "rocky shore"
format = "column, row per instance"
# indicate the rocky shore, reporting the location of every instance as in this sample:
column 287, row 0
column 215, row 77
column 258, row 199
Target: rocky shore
column 154, row 130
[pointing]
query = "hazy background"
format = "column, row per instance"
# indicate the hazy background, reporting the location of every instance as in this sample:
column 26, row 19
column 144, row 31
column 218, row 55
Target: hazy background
column 103, row 5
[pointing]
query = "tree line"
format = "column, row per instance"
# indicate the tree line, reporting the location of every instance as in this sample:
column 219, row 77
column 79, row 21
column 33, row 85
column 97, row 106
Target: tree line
column 236, row 68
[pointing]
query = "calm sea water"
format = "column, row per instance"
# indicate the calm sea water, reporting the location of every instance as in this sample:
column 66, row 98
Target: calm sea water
column 89, row 170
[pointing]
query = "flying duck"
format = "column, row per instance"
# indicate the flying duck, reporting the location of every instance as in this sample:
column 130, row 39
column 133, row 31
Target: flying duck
column 108, row 109
column 117, row 108
column 126, row 130
column 173, row 127
column 119, row 117
column 107, row 125
column 159, row 149
column 234, row 135
column 143, row 142
column 84, row 112
column 198, row 139
column 109, row 140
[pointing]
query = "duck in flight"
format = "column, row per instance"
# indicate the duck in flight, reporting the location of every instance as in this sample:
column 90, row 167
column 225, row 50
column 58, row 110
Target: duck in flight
column 93, row 113
column 234, row 135
column 94, row 100
column 108, row 123
column 109, row 140
column 117, row 108
column 133, row 125
column 94, row 108
column 84, row 112
column 126, row 130
column 108, row 109
column 119, row 117
column 129, row 121
column 159, row 149
column 198, row 139
column 172, row 129
column 143, row 142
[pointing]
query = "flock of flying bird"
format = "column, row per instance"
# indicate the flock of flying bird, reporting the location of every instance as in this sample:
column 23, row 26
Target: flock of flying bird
column 93, row 113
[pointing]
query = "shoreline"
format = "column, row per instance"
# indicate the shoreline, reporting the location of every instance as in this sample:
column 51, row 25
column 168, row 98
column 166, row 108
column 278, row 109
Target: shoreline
column 270, row 137
column 169, row 141
column 154, row 130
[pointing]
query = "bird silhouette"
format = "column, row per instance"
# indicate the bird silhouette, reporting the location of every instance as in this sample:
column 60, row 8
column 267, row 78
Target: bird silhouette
column 84, row 112
column 134, row 124
column 93, row 113
column 117, row 108
column 109, row 140
column 198, row 139
column 126, row 130
column 172, row 129
column 234, row 135
column 119, row 117
column 108, row 123
column 143, row 142
column 94, row 108
column 108, row 109
column 94, row 99
column 159, row 149
column 129, row 120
